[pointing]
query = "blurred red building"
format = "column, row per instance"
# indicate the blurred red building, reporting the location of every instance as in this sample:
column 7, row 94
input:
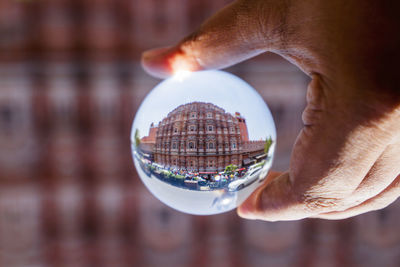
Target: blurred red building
column 70, row 83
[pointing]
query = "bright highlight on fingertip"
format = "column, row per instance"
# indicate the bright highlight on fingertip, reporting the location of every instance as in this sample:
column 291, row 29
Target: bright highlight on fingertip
column 180, row 67
column 180, row 75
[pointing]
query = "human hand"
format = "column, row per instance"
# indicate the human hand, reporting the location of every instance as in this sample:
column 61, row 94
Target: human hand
column 346, row 160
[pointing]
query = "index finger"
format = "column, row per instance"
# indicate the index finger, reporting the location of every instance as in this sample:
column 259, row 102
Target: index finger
column 235, row 33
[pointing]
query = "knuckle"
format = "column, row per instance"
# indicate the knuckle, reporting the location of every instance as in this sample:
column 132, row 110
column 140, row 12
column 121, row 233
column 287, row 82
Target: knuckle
column 316, row 99
column 311, row 116
column 323, row 199
column 321, row 204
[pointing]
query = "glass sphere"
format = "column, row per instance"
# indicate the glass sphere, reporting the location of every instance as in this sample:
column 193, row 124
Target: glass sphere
column 202, row 142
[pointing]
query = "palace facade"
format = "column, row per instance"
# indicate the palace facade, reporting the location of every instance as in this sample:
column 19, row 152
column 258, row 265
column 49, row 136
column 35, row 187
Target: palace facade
column 202, row 137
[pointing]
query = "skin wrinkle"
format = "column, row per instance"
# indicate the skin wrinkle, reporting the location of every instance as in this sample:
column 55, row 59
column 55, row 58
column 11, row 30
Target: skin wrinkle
column 315, row 98
column 321, row 193
column 261, row 38
column 360, row 151
column 380, row 169
column 275, row 37
column 315, row 205
column 243, row 19
column 311, row 116
column 382, row 200
column 359, row 197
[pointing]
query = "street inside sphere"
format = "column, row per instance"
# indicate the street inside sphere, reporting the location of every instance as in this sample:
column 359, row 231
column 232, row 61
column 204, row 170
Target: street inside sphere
column 202, row 142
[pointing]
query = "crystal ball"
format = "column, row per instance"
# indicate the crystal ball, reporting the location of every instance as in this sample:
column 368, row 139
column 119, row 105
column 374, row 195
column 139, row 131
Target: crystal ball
column 203, row 141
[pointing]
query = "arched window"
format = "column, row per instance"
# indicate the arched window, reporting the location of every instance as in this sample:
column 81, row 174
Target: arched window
column 210, row 145
column 174, row 145
column 210, row 128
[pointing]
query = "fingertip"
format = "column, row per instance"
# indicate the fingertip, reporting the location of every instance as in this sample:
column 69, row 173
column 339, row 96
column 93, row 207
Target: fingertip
column 249, row 209
column 246, row 211
column 156, row 63
column 166, row 61
column 272, row 201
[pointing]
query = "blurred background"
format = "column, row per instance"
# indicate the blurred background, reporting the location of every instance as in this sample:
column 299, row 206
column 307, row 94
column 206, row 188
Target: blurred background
column 70, row 84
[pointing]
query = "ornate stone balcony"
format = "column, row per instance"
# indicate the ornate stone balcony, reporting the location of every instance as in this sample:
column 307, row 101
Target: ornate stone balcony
column 211, row 151
column 191, row 152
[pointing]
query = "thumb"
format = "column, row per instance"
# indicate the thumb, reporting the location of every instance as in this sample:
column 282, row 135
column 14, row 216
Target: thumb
column 277, row 194
column 239, row 31
column 346, row 132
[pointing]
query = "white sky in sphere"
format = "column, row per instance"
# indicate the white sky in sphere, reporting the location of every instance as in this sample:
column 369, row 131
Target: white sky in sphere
column 217, row 87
